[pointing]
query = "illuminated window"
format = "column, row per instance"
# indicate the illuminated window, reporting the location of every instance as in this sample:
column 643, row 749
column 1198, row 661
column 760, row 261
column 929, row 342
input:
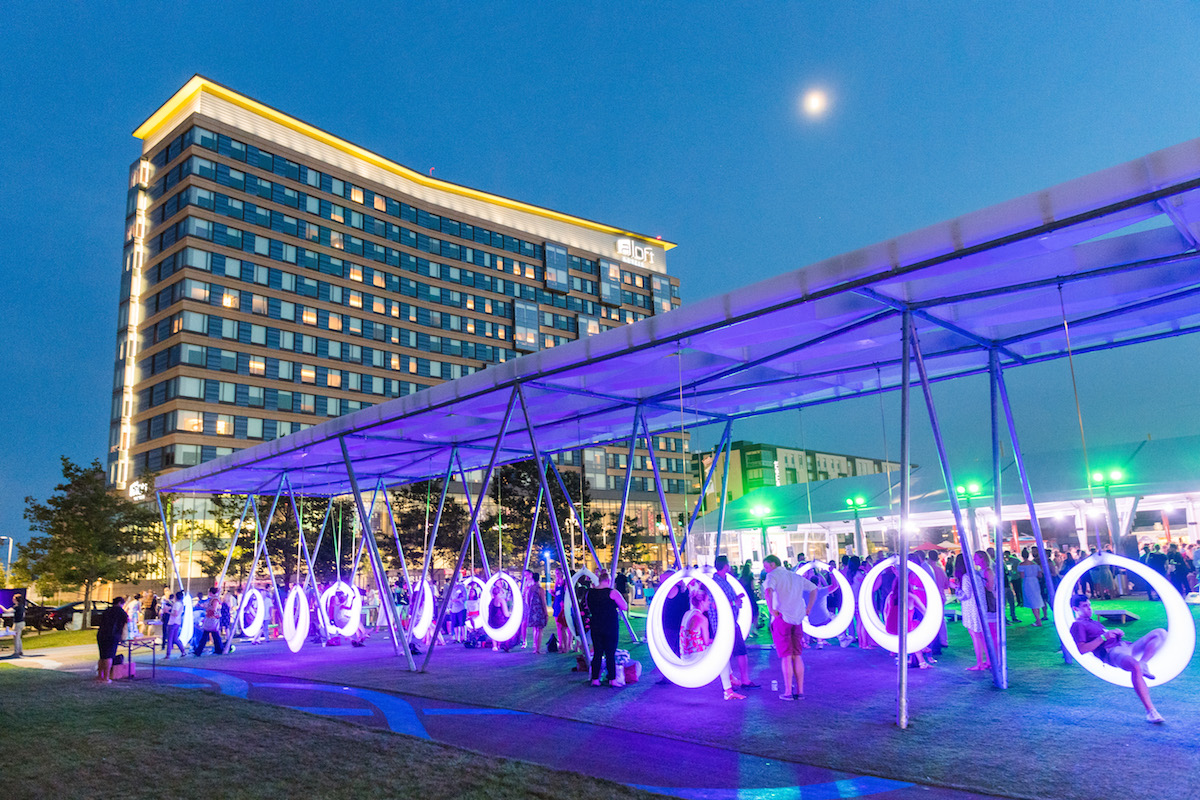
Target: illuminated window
column 190, row 421
column 258, row 365
column 379, row 305
column 356, row 273
column 355, row 299
column 412, row 365
column 335, row 322
column 380, row 203
column 356, row 194
column 379, row 279
column 396, row 361
column 333, row 378
column 470, row 303
column 335, row 240
column 258, row 304
column 525, row 325
column 224, row 425
column 337, row 214
column 395, row 309
column 308, row 373
column 310, row 316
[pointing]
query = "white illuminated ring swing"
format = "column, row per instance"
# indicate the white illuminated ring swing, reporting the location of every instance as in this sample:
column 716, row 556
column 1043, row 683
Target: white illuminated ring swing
column 295, row 619
column 918, row 638
column 188, row 622
column 252, row 630
column 695, row 671
column 474, row 624
column 582, row 573
column 509, row 629
column 1176, row 652
column 334, row 593
column 424, row 600
column 841, row 621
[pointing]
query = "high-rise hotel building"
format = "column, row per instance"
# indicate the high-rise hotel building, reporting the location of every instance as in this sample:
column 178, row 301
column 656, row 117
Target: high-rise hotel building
column 275, row 275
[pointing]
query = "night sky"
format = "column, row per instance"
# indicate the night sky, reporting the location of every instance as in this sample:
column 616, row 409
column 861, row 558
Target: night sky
column 681, row 120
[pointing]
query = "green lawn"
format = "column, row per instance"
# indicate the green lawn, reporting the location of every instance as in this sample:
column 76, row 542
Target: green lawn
column 77, row 739
column 33, row 640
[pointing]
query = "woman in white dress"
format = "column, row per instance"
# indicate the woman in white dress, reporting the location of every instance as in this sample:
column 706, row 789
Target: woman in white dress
column 1031, row 586
column 970, row 613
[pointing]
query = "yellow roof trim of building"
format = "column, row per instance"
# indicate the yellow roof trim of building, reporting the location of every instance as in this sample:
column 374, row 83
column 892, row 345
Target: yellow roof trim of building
column 168, row 111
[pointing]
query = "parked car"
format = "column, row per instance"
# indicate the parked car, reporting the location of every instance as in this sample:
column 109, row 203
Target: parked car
column 36, row 617
column 64, row 615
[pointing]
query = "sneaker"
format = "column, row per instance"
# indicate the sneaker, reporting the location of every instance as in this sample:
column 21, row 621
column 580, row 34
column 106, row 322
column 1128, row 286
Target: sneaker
column 1155, row 718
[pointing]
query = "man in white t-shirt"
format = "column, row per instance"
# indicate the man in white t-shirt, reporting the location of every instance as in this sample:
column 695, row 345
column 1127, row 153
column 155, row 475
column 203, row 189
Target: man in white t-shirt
column 790, row 598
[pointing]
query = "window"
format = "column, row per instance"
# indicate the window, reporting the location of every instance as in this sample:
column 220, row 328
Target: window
column 283, row 428
column 556, row 275
column 308, row 403
column 187, row 455
column 229, row 329
column 227, row 392
column 610, row 282
column 255, row 396
column 258, row 365
column 258, row 304
column 332, row 407
column 356, row 273
column 231, row 299
column 335, row 322
column 258, row 334
column 191, row 387
column 254, row 428
column 309, row 316
column 308, row 373
column 356, row 194
column 333, row 378
column 193, row 354
column 287, row 340
column 525, row 325
column 356, row 299
column 190, row 421
column 229, row 361
column 224, row 425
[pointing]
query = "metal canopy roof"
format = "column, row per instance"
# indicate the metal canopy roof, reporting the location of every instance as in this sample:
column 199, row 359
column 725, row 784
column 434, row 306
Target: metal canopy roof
column 1116, row 252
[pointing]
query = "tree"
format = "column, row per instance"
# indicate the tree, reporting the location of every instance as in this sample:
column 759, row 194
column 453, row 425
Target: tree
column 89, row 534
column 515, row 491
column 415, row 504
column 636, row 541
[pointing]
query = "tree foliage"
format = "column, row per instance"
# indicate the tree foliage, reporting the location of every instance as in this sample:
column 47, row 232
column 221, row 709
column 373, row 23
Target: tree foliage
column 88, row 534
column 415, row 508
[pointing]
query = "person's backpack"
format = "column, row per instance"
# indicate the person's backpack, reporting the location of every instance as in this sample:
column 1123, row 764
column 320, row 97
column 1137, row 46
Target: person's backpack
column 552, row 645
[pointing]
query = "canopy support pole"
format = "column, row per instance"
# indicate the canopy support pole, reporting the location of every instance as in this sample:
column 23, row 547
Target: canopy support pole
column 587, row 540
column 233, row 542
column 977, row 585
column 462, row 552
column 537, row 455
column 662, row 497
column 712, row 469
column 437, row 519
column 905, row 499
column 162, row 514
column 358, row 549
column 266, row 556
column 322, row 612
column 637, row 415
column 1019, row 460
column 387, row 503
column 997, row 512
column 399, row 638
column 462, row 474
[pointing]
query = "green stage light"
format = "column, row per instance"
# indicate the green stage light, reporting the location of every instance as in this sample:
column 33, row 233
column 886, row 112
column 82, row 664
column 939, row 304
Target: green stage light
column 1116, row 475
column 1097, row 477
column 760, row 511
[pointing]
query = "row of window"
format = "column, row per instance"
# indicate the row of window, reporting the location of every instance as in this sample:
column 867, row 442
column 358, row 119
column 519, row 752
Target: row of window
column 269, row 398
column 249, row 364
column 285, row 168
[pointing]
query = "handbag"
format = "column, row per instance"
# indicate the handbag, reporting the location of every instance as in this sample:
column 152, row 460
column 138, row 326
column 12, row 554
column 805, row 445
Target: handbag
column 210, row 624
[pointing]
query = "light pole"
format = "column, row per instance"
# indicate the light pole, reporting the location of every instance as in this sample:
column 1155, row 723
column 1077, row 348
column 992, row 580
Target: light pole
column 8, row 563
column 1114, row 477
column 761, row 512
column 860, row 541
column 965, row 493
column 546, row 575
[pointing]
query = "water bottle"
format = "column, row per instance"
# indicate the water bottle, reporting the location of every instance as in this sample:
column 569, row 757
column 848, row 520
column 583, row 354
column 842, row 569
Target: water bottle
column 774, row 686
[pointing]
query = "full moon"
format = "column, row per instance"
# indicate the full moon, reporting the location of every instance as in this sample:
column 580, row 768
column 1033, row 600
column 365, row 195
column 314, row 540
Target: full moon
column 815, row 103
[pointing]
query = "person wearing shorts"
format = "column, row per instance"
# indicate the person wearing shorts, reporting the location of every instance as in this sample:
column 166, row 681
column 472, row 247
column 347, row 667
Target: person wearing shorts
column 790, row 598
column 1109, row 646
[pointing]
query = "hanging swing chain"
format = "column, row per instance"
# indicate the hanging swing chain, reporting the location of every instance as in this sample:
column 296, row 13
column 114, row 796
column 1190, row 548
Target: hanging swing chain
column 807, row 483
column 1075, row 388
column 687, row 532
column 887, row 459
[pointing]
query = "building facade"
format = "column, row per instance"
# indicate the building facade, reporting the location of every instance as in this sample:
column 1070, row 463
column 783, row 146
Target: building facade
column 753, row 465
column 275, row 275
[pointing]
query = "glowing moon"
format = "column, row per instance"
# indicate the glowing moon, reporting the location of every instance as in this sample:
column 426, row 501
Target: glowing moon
column 815, row 103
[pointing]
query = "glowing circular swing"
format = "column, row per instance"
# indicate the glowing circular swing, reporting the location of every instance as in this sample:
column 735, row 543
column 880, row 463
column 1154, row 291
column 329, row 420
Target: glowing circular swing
column 922, row 635
column 355, row 614
column 695, row 671
column 188, row 622
column 252, row 630
column 1176, row 652
column 509, row 629
column 473, row 623
column 295, row 619
column 841, row 621
column 424, row 600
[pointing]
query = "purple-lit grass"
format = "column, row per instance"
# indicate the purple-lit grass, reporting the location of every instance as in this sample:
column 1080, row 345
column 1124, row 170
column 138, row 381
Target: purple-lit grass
column 1023, row 742
column 68, row 738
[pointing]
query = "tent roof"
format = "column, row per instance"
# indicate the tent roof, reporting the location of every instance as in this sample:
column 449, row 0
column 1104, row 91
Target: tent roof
column 1116, row 251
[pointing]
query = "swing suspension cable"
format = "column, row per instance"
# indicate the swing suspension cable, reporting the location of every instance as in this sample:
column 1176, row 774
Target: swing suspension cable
column 807, row 484
column 1075, row 388
column 887, row 462
column 687, row 531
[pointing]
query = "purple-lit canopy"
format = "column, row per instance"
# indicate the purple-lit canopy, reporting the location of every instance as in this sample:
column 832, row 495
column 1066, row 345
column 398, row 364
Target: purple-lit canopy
column 1117, row 250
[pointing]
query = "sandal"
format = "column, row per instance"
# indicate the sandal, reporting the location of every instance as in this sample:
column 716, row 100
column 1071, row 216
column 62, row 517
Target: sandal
column 786, row 697
column 730, row 694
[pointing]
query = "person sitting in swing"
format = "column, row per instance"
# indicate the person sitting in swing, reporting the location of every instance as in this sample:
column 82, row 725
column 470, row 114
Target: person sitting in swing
column 1109, row 646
